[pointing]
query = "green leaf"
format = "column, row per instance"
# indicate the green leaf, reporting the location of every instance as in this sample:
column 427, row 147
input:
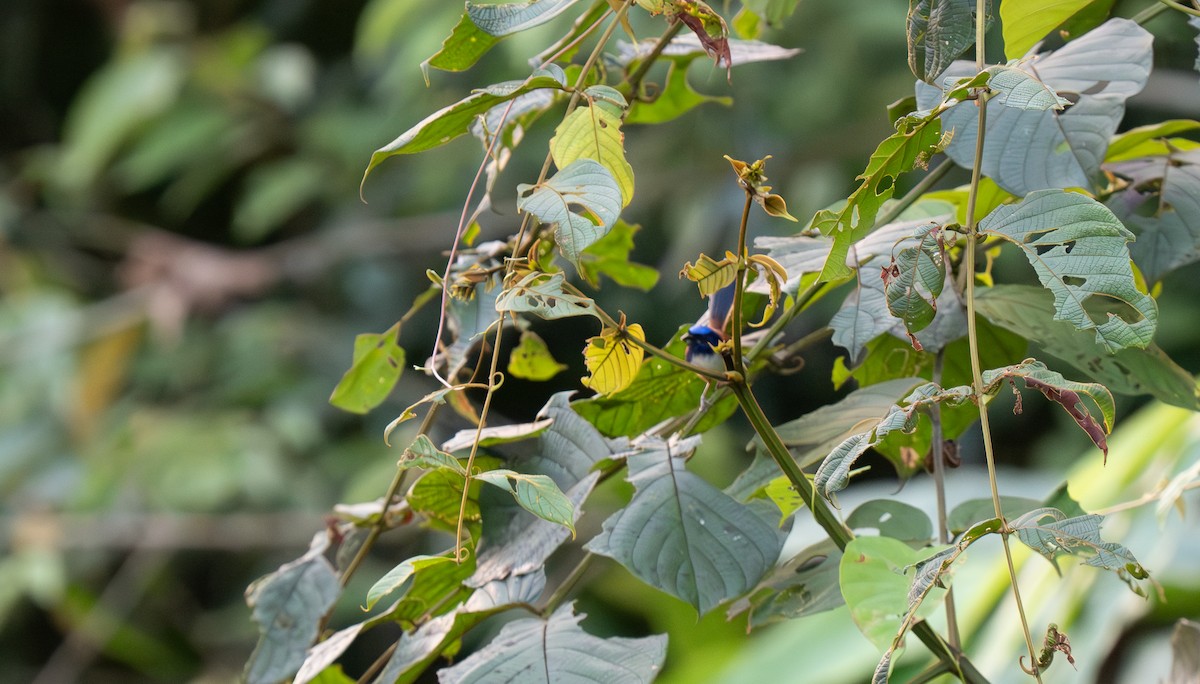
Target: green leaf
column 423, row 454
column 1078, row 536
column 610, row 256
column 536, row 493
column 1078, row 249
column 774, row 12
column 531, row 360
column 1161, row 205
column 582, row 201
column 542, row 294
column 273, row 193
column 399, row 575
column 660, row 391
column 1028, row 21
column 482, row 26
column 438, row 496
column 806, row 584
column 875, row 588
column 912, row 145
column 558, row 650
column 1149, row 140
column 676, row 98
column 288, row 606
column 1027, row 150
column 1023, row 90
column 1029, row 311
column 450, row 122
column 684, row 536
column 378, row 363
column 894, row 519
column 915, row 280
column 595, row 133
column 938, row 32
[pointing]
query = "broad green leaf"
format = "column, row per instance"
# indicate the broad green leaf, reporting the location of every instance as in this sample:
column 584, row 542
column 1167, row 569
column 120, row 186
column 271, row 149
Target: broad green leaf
column 582, row 201
column 542, row 294
column 482, row 26
column 558, row 650
column 595, row 133
column 805, row 585
column 894, row 519
column 450, row 122
column 1161, row 205
column 660, row 391
column 1029, row 311
column 397, row 576
column 1026, row 22
column 418, row 649
column 928, row 575
column 613, row 360
column 378, row 363
column 288, row 606
column 938, row 32
column 531, row 360
column 912, row 145
column 323, row 655
column 536, row 493
column 1078, row 250
column 423, row 454
column 875, row 587
column 676, row 98
column 438, row 496
column 435, row 589
column 610, row 256
column 1023, row 90
column 684, row 536
column 1051, row 533
column 1027, row 150
column 1149, row 140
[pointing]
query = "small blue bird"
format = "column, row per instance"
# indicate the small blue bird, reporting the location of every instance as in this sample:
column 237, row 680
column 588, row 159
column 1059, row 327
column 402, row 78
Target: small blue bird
column 710, row 331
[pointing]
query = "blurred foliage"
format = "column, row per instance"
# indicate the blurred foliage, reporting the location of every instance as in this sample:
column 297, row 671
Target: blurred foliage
column 185, row 263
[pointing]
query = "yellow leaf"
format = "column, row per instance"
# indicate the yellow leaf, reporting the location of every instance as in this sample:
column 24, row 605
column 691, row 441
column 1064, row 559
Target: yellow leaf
column 594, row 133
column 710, row 275
column 531, row 360
column 612, row 359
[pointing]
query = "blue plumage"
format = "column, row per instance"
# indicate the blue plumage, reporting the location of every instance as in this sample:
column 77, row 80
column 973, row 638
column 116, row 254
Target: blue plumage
column 710, row 331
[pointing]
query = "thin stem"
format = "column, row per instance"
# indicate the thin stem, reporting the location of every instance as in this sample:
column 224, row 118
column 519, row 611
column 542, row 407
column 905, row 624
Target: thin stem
column 1149, row 13
column 973, row 335
column 635, row 79
column 939, row 485
column 564, row 588
column 1179, row 7
column 578, row 39
column 378, row 664
column 493, row 385
column 739, row 287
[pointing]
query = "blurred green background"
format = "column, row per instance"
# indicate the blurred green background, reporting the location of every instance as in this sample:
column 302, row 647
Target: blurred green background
column 185, row 261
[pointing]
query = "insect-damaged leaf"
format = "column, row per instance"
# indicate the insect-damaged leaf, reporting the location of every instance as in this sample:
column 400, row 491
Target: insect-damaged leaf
column 710, row 275
column 595, row 133
column 684, row 536
column 1078, row 250
column 378, row 363
column 1023, row 90
column 558, row 650
column 1051, row 533
column 914, row 281
column 1161, row 205
column 805, row 585
column 613, row 360
column 938, row 32
column 582, row 201
column 542, row 294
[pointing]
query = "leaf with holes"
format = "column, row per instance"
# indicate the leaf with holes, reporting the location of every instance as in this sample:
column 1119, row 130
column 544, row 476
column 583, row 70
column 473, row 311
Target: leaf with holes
column 911, row 146
column 595, row 133
column 558, row 650
column 1078, row 250
column 542, row 294
column 612, row 359
column 1027, row 150
column 806, row 584
column 1161, row 205
column 1051, row 533
column 914, row 281
column 684, row 536
column 582, row 201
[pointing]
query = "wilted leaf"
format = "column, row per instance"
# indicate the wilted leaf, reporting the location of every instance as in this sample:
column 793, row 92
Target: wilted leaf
column 542, row 294
column 710, row 275
column 1079, row 536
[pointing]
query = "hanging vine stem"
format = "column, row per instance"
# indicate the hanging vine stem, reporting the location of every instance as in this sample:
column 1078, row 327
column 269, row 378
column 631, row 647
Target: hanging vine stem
column 937, row 453
column 973, row 335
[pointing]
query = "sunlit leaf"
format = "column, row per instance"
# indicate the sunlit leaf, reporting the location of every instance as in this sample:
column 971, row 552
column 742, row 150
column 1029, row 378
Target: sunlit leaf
column 582, row 201
column 595, row 133
column 378, row 363
column 613, row 360
column 684, row 536
column 894, row 519
column 288, row 606
column 1149, row 140
column 531, row 360
column 710, row 275
column 1028, row 21
column 399, row 575
column 1078, row 249
column 558, row 650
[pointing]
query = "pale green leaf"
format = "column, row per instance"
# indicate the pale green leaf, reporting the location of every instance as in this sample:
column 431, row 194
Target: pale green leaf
column 531, row 360
column 536, row 493
column 397, row 576
column 1026, row 22
column 542, row 294
column 1148, row 140
column 423, row 454
column 1023, row 90
column 582, row 201
column 894, row 519
column 595, row 133
column 875, row 587
column 684, row 536
column 482, row 26
column 378, row 363
column 1078, row 249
